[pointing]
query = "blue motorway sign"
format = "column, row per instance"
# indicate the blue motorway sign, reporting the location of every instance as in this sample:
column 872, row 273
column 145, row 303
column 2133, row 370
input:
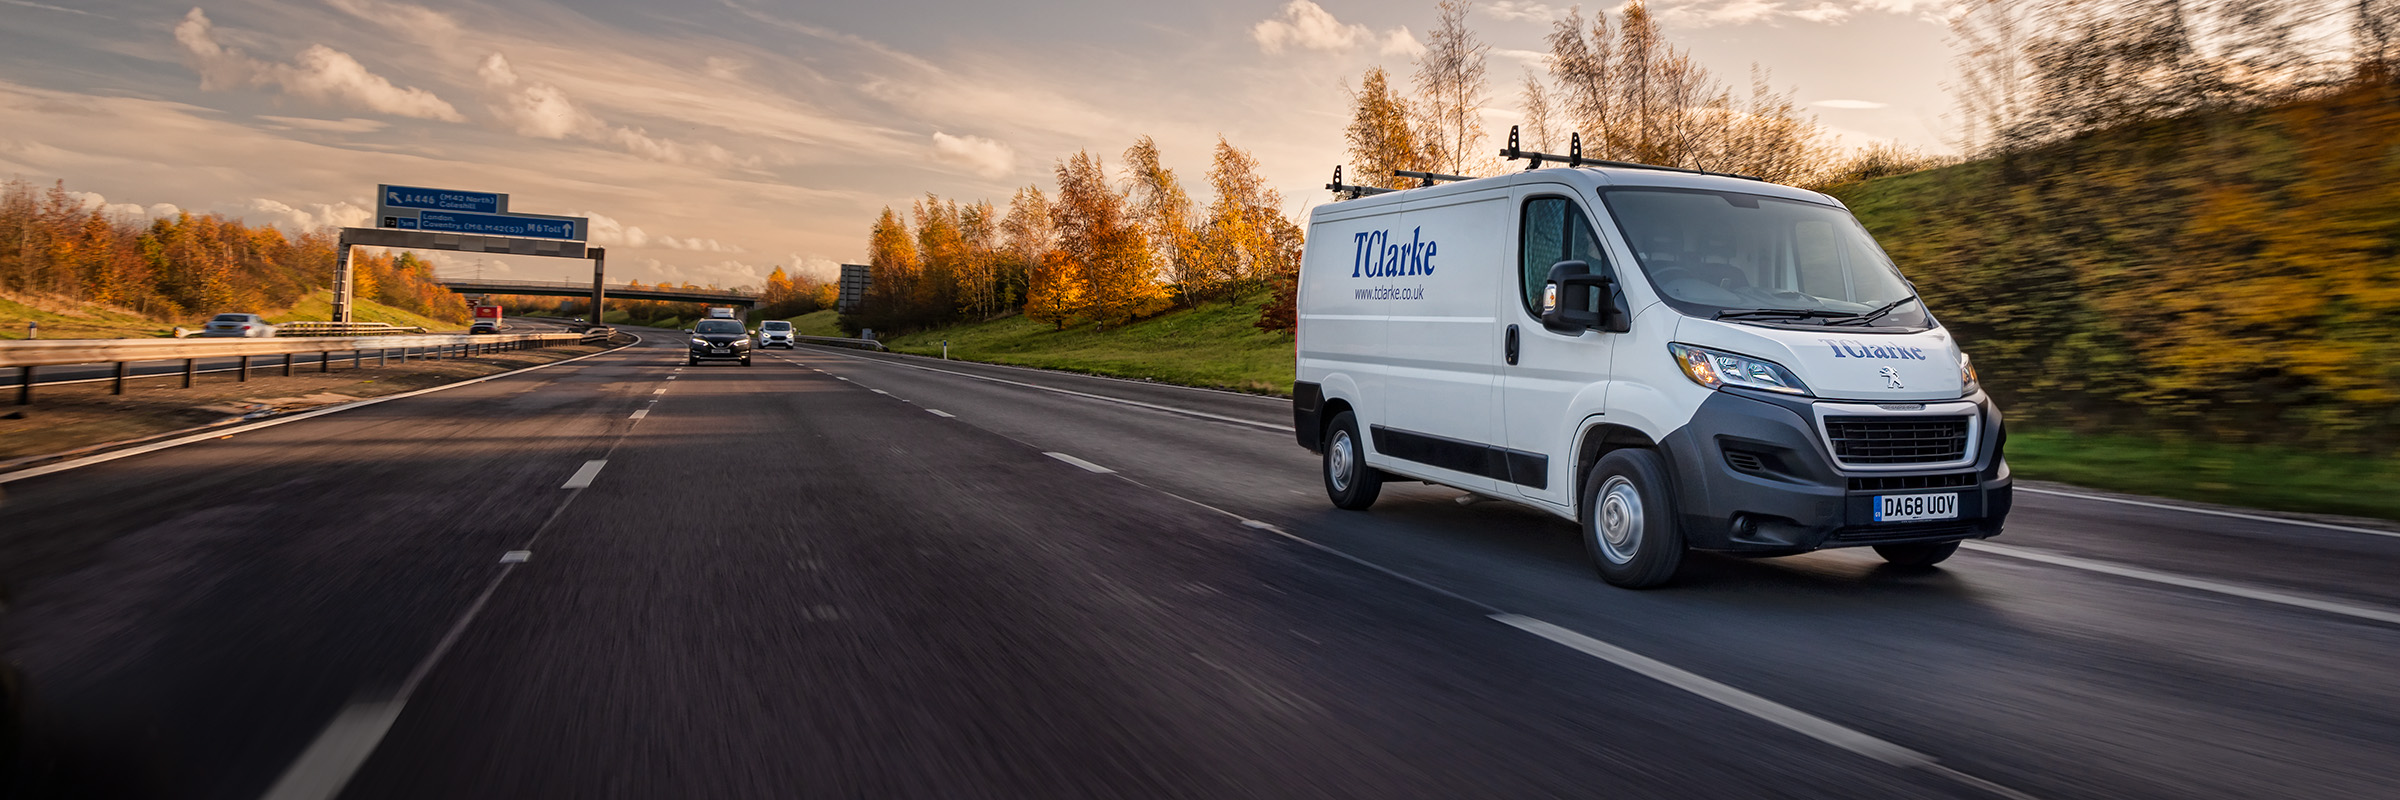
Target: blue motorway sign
column 390, row 196
column 520, row 225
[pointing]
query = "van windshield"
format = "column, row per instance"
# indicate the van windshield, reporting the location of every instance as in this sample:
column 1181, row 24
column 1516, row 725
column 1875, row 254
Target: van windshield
column 1729, row 255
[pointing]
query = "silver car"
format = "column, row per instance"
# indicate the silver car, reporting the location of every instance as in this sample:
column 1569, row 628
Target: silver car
column 775, row 333
column 247, row 326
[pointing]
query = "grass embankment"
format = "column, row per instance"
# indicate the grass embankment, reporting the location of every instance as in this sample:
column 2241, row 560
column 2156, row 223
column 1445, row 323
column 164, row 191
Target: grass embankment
column 75, row 320
column 1216, row 345
column 2256, row 476
column 818, row 323
column 318, row 305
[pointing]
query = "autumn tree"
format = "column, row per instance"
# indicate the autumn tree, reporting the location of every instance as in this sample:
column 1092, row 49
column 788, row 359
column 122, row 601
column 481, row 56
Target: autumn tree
column 1535, row 96
column 1104, row 244
column 1381, row 133
column 1163, row 210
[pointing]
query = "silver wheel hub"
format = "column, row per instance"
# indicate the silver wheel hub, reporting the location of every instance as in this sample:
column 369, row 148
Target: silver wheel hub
column 1620, row 522
column 1341, row 459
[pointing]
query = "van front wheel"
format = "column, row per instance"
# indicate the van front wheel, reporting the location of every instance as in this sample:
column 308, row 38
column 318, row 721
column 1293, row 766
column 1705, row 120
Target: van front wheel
column 1629, row 521
column 1348, row 480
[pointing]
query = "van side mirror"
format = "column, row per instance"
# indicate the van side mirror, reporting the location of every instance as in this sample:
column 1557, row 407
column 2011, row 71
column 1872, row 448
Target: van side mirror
column 1568, row 300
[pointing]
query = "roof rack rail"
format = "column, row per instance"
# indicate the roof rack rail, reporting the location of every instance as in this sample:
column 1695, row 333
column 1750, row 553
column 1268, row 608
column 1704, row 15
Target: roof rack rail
column 1352, row 191
column 1574, row 158
column 1429, row 177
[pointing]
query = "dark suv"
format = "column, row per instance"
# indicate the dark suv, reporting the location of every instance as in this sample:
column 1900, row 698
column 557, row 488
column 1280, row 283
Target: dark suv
column 720, row 340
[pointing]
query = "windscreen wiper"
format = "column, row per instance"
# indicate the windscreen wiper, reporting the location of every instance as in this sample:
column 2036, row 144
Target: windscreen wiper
column 1779, row 313
column 1870, row 317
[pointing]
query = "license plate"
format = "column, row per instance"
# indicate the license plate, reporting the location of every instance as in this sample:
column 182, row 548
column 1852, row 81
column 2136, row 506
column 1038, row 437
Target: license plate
column 720, row 349
column 1913, row 507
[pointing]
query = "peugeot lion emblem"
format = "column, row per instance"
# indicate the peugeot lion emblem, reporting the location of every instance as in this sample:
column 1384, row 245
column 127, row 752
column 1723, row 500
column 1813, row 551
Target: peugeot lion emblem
column 1891, row 375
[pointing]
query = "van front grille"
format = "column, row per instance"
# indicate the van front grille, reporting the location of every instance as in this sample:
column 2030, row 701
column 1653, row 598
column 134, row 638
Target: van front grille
column 1901, row 483
column 1897, row 440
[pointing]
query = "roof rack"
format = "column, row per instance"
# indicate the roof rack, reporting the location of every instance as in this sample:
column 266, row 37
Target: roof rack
column 1429, row 177
column 1574, row 158
column 1352, row 191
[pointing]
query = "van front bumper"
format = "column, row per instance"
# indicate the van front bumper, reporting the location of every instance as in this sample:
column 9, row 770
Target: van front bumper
column 1754, row 475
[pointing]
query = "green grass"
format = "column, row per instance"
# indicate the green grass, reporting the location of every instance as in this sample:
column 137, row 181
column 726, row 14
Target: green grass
column 318, row 305
column 2255, row 476
column 79, row 321
column 1216, row 345
column 817, row 323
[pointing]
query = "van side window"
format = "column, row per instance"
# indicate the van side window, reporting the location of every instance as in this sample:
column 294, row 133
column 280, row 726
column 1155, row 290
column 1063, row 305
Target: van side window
column 1555, row 230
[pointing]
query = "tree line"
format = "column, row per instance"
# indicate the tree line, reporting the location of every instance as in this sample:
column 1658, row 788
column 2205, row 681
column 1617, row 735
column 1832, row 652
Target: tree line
column 191, row 266
column 1092, row 250
column 2182, row 219
column 1620, row 86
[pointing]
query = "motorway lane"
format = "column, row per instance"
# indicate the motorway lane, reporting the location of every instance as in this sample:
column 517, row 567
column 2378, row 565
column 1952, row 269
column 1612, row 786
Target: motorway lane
column 785, row 584
column 2059, row 682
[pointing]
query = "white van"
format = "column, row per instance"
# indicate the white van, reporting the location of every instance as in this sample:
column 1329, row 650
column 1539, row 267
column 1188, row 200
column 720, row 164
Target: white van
column 1673, row 360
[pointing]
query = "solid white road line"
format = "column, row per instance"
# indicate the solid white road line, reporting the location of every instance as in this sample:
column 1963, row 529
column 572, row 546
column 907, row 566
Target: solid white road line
column 940, row 413
column 640, row 414
column 35, row 472
column 1802, row 722
column 1080, row 463
column 2201, row 584
column 2212, row 512
column 583, row 477
column 515, row 556
column 879, row 391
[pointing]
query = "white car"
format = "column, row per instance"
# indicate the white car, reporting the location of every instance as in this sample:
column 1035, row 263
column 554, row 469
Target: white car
column 776, row 333
column 1672, row 360
column 249, row 326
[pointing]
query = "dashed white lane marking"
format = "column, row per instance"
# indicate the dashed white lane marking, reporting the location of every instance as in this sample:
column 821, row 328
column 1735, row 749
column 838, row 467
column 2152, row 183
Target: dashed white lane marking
column 638, row 414
column 879, row 391
column 1801, row 722
column 940, row 413
column 661, row 390
column 672, row 377
column 583, row 477
column 515, row 556
column 2201, row 584
column 2212, row 512
column 1079, row 462
column 328, row 763
column 840, row 378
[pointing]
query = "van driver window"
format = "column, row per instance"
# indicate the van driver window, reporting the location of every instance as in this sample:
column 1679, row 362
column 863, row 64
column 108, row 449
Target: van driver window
column 1555, row 230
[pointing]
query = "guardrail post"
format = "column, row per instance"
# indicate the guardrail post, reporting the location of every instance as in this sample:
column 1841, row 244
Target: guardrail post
column 358, row 358
column 325, row 361
column 25, row 386
column 118, row 387
column 245, row 372
column 191, row 367
column 287, row 365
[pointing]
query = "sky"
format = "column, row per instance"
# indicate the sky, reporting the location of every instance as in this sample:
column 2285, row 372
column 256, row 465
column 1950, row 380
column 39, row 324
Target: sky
column 712, row 140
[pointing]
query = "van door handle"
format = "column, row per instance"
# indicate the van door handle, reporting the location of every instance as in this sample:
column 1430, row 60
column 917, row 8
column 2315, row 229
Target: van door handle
column 1510, row 349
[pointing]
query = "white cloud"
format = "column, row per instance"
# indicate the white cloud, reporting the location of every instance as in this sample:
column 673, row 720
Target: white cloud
column 344, row 125
column 725, row 69
column 1849, row 104
column 608, row 232
column 420, row 23
column 1521, row 11
column 1709, row 13
column 1305, row 25
column 543, row 111
column 317, row 215
column 983, row 156
column 1534, row 58
column 698, row 244
column 320, row 74
column 1824, row 14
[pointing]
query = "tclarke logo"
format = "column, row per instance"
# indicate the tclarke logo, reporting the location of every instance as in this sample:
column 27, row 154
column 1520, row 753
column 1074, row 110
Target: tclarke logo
column 1378, row 257
column 1853, row 348
column 1891, row 375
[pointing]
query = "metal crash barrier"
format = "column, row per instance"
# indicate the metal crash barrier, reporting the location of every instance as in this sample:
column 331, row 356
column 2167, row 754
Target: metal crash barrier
column 29, row 355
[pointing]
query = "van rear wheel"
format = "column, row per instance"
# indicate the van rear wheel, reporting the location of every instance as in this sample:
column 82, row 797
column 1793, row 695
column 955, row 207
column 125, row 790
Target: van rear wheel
column 1629, row 521
column 1918, row 554
column 1348, row 480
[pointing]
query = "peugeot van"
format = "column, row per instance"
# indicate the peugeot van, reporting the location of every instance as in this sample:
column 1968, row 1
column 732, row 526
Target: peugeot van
column 1673, row 360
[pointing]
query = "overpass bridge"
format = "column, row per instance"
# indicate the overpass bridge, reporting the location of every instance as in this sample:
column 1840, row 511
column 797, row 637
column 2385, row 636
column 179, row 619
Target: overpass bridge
column 583, row 289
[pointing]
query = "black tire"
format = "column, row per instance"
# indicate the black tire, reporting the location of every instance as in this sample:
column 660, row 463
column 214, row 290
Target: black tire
column 691, row 362
column 1628, row 520
column 745, row 362
column 1349, row 482
column 1917, row 554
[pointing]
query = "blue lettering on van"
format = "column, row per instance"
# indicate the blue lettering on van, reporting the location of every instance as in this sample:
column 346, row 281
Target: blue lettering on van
column 1852, row 348
column 1376, row 255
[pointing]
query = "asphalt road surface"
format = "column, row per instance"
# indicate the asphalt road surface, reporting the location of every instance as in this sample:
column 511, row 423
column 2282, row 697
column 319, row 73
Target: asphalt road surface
column 836, row 574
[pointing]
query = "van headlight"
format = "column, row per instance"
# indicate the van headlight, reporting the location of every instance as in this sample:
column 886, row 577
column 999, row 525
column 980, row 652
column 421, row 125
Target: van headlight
column 1966, row 375
column 1714, row 369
